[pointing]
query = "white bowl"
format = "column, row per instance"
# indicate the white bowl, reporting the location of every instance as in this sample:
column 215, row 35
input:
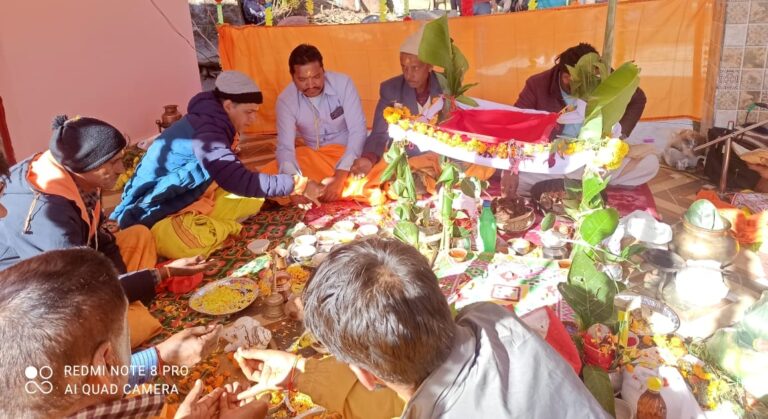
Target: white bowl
column 367, row 230
column 347, row 236
column 303, row 253
column 258, row 246
column 305, row 240
column 327, row 237
column 520, row 246
column 344, row 225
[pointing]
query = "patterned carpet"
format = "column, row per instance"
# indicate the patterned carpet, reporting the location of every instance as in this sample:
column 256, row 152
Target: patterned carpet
column 672, row 192
column 274, row 223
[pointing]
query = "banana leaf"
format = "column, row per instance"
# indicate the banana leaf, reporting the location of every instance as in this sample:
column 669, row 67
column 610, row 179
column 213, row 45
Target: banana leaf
column 435, row 44
column 437, row 48
column 584, row 78
column 609, row 100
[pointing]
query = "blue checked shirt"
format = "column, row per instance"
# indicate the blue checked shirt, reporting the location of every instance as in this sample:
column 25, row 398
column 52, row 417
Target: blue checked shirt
column 338, row 119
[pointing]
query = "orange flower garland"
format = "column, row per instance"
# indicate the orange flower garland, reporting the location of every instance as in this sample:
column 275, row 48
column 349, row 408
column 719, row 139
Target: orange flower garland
column 402, row 116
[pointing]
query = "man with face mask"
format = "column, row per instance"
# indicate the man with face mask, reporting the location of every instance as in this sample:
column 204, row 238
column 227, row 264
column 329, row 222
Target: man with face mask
column 323, row 109
column 66, row 347
column 550, row 91
column 192, row 174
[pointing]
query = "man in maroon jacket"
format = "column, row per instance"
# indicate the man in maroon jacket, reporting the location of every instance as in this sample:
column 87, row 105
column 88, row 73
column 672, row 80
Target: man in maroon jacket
column 550, row 91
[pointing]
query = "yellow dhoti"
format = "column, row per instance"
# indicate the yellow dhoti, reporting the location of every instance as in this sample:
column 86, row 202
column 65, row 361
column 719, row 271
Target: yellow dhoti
column 137, row 248
column 201, row 227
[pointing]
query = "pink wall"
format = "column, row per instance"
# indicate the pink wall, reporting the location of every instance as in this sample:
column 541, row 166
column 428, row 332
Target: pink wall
column 118, row 61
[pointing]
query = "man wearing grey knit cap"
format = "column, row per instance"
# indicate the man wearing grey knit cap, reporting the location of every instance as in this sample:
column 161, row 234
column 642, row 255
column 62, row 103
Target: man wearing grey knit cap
column 197, row 153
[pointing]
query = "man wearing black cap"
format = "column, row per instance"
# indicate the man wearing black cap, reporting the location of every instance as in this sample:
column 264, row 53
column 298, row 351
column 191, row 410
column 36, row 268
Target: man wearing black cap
column 54, row 202
column 196, row 151
column 54, row 198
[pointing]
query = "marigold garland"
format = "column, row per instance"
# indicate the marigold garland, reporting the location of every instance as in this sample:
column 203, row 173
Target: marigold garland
column 310, row 5
column 402, row 116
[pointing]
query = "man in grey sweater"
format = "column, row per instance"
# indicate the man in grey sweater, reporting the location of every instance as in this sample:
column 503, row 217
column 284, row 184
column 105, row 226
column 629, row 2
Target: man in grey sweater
column 376, row 305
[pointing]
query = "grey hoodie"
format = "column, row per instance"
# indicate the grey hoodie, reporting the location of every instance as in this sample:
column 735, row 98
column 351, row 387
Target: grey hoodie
column 498, row 368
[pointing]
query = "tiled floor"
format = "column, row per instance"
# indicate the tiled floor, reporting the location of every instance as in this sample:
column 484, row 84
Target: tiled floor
column 674, row 192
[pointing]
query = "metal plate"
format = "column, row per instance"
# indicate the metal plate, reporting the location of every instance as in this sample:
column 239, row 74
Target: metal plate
column 235, row 294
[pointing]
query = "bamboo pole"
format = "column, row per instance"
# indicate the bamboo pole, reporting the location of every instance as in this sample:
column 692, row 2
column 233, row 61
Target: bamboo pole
column 610, row 21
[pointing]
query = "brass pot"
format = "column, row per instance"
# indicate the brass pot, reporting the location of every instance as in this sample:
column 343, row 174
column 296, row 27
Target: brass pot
column 168, row 117
column 698, row 243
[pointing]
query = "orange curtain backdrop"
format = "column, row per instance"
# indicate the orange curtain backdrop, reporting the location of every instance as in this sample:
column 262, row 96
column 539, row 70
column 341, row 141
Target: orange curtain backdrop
column 668, row 39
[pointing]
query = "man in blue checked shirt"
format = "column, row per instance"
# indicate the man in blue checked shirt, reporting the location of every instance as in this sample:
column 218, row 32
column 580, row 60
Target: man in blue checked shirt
column 323, row 109
column 66, row 347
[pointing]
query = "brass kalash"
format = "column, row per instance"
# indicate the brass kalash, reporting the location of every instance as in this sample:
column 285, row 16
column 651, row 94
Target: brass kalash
column 168, row 117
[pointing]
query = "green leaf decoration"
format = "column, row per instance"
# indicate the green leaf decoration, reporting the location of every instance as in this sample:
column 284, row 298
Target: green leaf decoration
column 392, row 167
column 632, row 250
column 395, row 151
column 610, row 98
column 467, row 100
column 437, row 48
column 593, row 186
column 588, row 291
column 467, row 187
column 435, row 44
column 466, row 87
column 442, row 81
column 599, row 225
column 410, row 185
column 704, row 214
column 447, row 209
column 573, row 188
column 403, row 212
column 599, row 384
column 449, row 175
column 548, row 222
column 407, row 232
column 584, row 76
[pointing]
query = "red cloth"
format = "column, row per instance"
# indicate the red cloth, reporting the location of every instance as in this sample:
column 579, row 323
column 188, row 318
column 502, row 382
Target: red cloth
column 500, row 126
column 560, row 340
column 179, row 284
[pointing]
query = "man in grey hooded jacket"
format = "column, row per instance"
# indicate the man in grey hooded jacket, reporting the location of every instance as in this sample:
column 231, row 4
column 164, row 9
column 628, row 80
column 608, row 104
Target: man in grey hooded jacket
column 376, row 305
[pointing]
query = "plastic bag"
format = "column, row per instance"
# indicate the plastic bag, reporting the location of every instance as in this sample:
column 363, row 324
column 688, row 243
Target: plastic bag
column 733, row 349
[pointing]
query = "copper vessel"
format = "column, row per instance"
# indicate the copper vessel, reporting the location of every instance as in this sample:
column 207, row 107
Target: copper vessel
column 698, row 243
column 168, row 117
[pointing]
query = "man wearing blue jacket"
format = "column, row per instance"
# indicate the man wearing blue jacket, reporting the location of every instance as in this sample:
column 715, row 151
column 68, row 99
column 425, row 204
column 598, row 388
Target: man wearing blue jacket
column 183, row 162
